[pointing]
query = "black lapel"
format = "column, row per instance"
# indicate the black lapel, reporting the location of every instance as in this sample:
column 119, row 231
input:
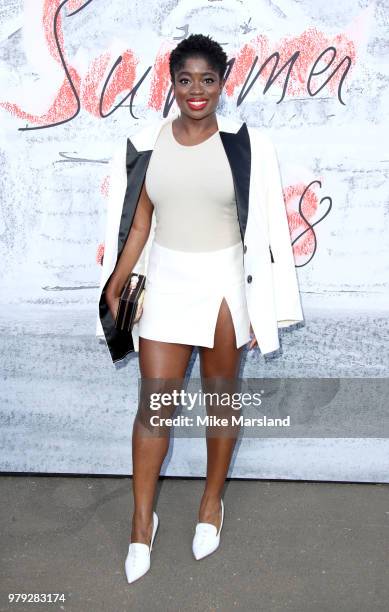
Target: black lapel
column 136, row 163
column 238, row 151
column 120, row 342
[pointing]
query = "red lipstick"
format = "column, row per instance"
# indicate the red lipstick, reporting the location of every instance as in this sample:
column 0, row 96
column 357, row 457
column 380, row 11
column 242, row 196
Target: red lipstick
column 197, row 103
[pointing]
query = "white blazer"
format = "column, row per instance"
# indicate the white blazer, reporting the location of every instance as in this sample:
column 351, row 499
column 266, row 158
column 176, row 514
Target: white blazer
column 272, row 291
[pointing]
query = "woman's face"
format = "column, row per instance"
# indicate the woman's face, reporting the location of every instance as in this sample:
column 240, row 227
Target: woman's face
column 197, row 88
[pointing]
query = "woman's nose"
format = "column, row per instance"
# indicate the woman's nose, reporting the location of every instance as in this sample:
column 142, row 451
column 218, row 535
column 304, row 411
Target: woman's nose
column 196, row 89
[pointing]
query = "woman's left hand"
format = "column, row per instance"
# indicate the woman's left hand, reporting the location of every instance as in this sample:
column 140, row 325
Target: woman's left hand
column 253, row 342
column 139, row 309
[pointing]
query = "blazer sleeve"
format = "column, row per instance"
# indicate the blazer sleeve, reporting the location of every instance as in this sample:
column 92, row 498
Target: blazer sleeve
column 117, row 188
column 285, row 283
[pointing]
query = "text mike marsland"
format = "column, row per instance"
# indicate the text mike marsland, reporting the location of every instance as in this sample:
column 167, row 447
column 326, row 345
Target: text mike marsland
column 214, row 421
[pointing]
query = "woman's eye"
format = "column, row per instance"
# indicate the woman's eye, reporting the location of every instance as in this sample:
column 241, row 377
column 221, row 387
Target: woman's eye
column 208, row 80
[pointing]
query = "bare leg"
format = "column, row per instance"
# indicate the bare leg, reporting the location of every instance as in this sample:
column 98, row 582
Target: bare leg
column 157, row 360
column 222, row 361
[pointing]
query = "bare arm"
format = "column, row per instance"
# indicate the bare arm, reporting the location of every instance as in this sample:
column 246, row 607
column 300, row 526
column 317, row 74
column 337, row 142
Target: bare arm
column 130, row 254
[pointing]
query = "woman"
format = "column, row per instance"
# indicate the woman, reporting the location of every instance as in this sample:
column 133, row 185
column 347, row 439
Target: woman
column 199, row 180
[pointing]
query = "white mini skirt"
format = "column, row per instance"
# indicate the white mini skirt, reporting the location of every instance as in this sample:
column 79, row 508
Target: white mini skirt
column 183, row 293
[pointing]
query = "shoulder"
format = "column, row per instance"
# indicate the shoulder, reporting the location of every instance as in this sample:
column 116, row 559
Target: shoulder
column 143, row 135
column 141, row 138
column 261, row 138
column 264, row 150
column 228, row 124
column 144, row 138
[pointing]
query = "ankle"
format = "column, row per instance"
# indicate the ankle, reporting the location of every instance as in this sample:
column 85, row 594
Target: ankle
column 142, row 527
column 210, row 510
column 211, row 499
column 142, row 515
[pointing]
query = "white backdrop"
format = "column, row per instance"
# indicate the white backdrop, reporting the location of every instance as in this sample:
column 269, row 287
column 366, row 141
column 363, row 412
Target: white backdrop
column 76, row 76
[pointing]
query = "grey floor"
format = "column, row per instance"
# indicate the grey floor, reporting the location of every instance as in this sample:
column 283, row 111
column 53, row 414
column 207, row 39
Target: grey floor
column 301, row 546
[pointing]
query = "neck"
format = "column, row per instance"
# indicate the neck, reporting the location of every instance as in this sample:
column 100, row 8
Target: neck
column 192, row 125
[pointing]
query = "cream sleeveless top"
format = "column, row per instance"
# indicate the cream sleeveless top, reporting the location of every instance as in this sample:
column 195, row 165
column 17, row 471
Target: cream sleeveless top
column 192, row 190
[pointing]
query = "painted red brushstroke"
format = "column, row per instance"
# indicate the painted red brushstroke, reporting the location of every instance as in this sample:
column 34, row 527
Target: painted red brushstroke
column 100, row 253
column 74, row 5
column 311, row 43
column 89, row 97
column 104, row 190
column 64, row 104
column 49, row 9
column 104, row 187
column 122, row 80
column 243, row 62
column 63, row 107
column 303, row 248
column 160, row 82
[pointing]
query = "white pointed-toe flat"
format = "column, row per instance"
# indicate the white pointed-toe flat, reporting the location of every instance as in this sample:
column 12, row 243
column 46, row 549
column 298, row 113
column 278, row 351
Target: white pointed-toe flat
column 138, row 556
column 207, row 538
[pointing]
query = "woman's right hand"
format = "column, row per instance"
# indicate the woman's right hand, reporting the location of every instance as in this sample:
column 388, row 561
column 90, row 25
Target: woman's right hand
column 113, row 304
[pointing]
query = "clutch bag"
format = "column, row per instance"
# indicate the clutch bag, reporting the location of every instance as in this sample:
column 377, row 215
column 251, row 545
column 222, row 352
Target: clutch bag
column 130, row 302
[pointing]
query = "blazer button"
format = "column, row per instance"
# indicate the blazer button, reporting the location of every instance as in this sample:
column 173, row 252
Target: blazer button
column 249, row 278
column 245, row 248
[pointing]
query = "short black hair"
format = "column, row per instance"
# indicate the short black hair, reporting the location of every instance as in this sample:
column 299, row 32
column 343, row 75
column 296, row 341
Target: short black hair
column 198, row 45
